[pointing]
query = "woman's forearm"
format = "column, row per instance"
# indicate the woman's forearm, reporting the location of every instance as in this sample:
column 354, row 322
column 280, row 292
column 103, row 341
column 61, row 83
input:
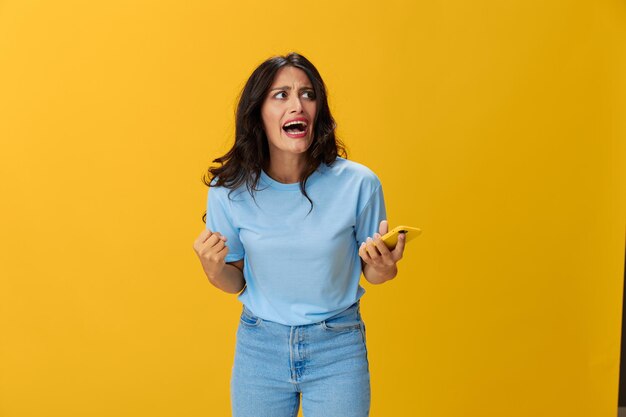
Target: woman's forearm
column 230, row 280
column 378, row 276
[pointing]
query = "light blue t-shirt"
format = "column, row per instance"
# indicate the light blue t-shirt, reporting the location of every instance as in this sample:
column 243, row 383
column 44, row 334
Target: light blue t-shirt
column 300, row 267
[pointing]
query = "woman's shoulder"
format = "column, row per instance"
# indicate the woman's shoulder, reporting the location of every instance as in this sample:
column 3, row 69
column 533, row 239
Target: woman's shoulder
column 345, row 167
column 224, row 191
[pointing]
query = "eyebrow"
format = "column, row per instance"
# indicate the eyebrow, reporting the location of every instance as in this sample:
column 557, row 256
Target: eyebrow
column 286, row 87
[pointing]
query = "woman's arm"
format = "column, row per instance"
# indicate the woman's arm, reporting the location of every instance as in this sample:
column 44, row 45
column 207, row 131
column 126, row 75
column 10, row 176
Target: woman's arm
column 379, row 264
column 231, row 278
column 212, row 250
column 378, row 276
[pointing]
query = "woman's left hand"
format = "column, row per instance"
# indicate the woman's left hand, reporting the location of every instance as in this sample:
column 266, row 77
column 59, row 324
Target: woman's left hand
column 376, row 255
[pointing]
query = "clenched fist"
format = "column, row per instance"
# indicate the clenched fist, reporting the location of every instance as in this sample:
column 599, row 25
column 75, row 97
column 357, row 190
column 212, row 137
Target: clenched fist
column 211, row 249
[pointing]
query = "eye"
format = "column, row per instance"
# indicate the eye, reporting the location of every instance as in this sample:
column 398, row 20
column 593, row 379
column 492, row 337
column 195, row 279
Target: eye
column 310, row 94
column 279, row 93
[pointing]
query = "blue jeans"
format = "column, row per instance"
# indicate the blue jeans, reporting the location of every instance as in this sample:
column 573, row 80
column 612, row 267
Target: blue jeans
column 325, row 362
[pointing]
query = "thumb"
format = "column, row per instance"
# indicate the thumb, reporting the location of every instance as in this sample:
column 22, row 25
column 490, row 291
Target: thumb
column 399, row 249
column 221, row 236
column 383, row 228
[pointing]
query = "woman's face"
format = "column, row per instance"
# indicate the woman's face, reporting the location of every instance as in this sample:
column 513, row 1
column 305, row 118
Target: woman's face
column 288, row 113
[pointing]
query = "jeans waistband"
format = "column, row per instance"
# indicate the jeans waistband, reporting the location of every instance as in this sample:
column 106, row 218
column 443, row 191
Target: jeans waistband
column 348, row 311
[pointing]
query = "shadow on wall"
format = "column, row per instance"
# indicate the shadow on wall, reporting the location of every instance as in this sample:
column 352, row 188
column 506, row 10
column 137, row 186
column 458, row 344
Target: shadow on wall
column 622, row 365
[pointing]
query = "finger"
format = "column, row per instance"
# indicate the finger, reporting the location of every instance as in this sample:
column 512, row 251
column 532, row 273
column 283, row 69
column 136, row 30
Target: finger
column 399, row 249
column 206, row 233
column 223, row 251
column 212, row 240
column 218, row 246
column 363, row 253
column 220, row 236
column 383, row 250
column 202, row 237
column 384, row 227
column 370, row 247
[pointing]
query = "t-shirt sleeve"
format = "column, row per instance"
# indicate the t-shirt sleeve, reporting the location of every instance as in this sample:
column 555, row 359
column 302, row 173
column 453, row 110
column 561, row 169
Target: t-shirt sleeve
column 371, row 215
column 219, row 219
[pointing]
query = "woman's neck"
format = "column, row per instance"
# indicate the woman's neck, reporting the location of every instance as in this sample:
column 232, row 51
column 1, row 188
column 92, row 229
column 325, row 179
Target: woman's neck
column 286, row 170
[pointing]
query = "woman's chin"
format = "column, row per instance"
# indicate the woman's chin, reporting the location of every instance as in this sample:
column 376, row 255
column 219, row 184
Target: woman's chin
column 298, row 145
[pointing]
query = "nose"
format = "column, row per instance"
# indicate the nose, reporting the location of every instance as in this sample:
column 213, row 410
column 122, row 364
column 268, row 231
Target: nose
column 295, row 104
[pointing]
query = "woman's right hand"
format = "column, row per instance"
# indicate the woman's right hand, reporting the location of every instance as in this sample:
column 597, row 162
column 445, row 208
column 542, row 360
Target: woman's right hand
column 212, row 250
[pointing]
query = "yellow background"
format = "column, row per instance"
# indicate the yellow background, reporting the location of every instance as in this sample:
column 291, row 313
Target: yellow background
column 496, row 126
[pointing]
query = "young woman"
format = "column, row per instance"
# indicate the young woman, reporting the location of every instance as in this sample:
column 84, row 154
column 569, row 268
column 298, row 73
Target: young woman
column 290, row 226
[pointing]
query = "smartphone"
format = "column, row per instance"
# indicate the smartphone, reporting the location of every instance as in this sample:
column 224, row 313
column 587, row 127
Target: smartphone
column 391, row 237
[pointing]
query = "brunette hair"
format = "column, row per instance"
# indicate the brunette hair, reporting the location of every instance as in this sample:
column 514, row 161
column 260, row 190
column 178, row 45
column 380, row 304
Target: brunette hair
column 243, row 163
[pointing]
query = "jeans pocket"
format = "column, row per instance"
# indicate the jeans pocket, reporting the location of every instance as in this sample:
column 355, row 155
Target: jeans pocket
column 363, row 332
column 249, row 319
column 346, row 321
column 341, row 326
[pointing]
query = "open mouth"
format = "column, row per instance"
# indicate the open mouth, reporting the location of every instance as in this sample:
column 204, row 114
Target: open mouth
column 296, row 128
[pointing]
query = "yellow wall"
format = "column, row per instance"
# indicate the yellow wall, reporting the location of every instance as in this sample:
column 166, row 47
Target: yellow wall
column 496, row 126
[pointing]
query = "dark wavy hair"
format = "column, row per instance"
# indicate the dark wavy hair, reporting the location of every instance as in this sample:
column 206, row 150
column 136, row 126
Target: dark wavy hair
column 243, row 163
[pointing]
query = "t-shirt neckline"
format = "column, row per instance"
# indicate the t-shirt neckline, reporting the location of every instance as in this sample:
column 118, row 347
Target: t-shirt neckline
column 295, row 186
column 278, row 185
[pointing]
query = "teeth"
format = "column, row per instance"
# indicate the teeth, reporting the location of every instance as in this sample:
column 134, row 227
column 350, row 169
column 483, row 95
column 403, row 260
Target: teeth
column 295, row 123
